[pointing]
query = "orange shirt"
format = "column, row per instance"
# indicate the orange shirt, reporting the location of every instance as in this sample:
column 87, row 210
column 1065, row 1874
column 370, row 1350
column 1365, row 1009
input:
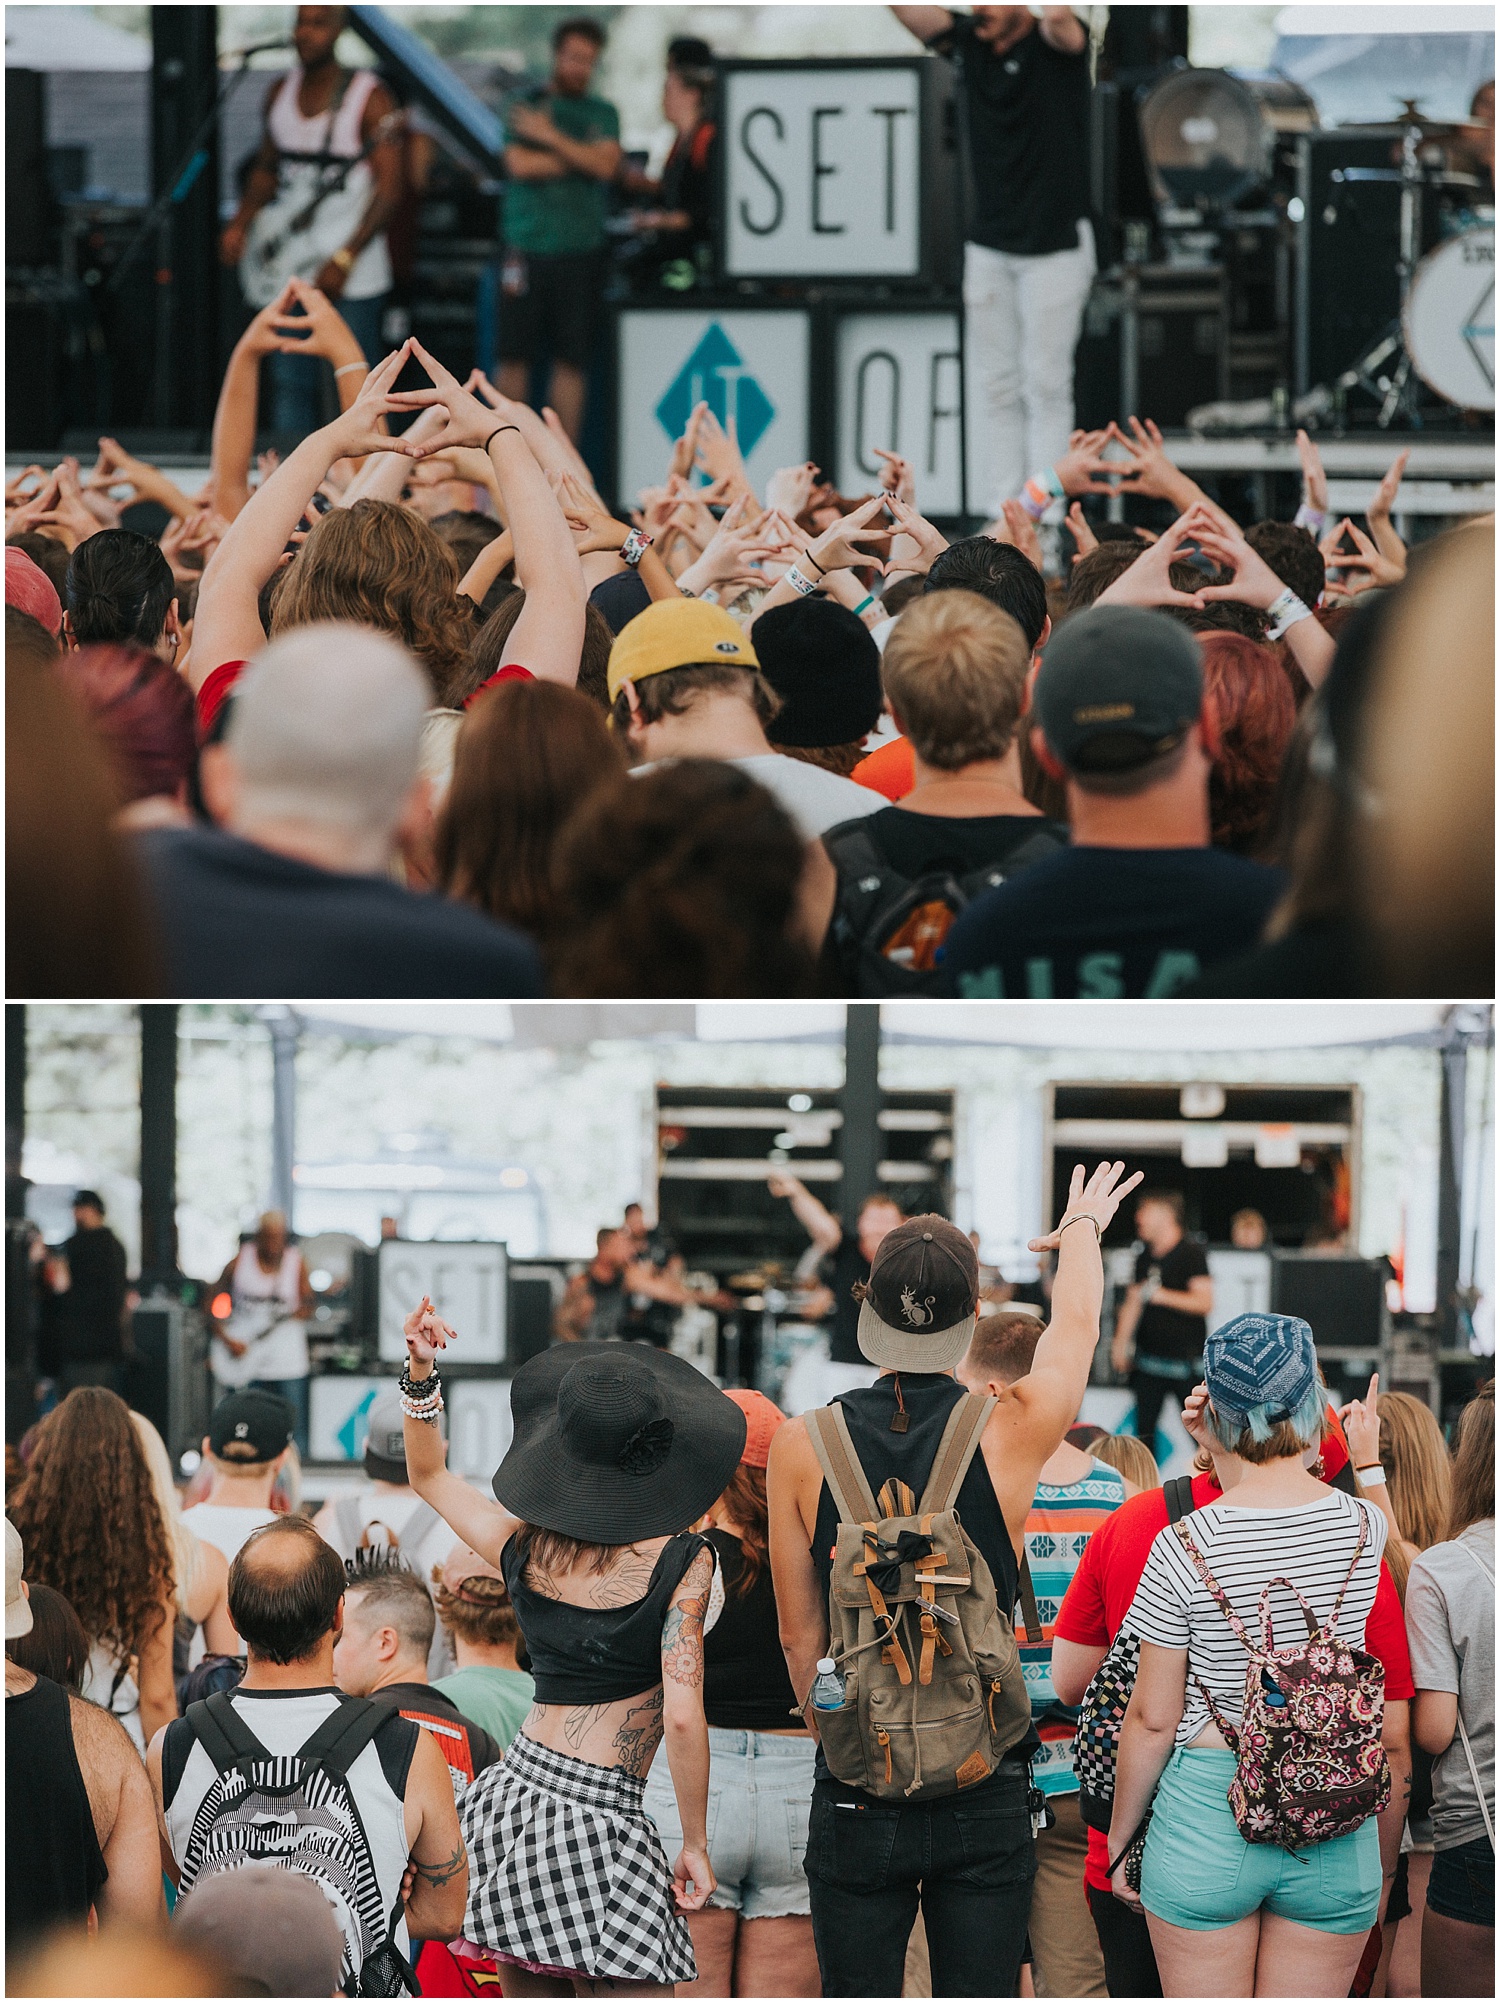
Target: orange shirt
column 891, row 770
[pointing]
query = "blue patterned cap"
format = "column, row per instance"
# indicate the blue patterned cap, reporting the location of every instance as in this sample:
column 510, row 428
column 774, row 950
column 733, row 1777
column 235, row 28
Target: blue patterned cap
column 1260, row 1359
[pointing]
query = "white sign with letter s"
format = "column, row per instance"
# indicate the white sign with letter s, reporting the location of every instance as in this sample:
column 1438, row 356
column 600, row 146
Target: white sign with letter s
column 822, row 174
column 465, row 1283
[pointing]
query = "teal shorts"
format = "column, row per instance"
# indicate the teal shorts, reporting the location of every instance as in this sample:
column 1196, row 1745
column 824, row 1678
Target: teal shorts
column 1200, row 1873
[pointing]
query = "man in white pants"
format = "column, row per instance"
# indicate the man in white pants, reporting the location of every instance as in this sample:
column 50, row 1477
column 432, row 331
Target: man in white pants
column 1029, row 254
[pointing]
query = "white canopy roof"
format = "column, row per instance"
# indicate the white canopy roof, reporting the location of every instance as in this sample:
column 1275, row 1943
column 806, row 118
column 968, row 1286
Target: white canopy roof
column 1067, row 1025
column 1355, row 19
column 70, row 38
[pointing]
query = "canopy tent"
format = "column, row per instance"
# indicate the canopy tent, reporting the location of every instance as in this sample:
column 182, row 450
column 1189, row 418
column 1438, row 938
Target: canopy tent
column 1113, row 1025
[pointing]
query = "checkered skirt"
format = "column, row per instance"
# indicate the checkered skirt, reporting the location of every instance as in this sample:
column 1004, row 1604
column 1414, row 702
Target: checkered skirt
column 567, row 1872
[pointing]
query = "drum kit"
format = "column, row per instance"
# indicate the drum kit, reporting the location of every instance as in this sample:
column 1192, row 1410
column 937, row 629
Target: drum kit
column 1444, row 334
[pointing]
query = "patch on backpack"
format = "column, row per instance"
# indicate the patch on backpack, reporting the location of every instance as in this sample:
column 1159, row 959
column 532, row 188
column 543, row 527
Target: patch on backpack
column 975, row 1767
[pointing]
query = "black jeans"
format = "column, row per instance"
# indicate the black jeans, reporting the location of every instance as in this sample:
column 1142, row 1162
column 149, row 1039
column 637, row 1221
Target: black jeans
column 969, row 1858
column 1125, row 1939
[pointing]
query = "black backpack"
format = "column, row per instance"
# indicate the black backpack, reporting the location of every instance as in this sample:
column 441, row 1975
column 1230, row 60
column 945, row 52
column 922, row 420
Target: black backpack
column 1096, row 1741
column 887, row 928
column 298, row 1811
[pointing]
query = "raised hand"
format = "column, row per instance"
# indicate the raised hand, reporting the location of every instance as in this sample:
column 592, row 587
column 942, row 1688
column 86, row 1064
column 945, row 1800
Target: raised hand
column 1084, row 470
column 1361, row 1423
column 1365, row 570
column 1378, row 513
column 1314, row 479
column 718, row 450
column 1150, row 469
column 928, row 543
column 685, row 451
column 1251, row 580
column 471, row 419
column 897, row 476
column 1195, row 1418
column 264, row 336
column 837, row 547
column 426, row 1333
column 1148, row 581
column 1080, row 531
column 1020, row 532
column 789, row 488
column 320, row 329
column 743, row 540
column 1099, row 1197
column 358, row 430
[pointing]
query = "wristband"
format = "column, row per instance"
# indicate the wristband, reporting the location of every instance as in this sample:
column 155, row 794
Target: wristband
column 352, row 365
column 635, row 546
column 820, row 568
column 1310, row 518
column 1284, row 611
column 1081, row 1217
column 864, row 605
column 496, row 433
column 1372, row 1476
column 1040, row 491
column 803, row 586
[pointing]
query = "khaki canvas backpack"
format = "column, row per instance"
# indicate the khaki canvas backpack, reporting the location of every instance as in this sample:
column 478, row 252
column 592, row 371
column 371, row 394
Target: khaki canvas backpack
column 933, row 1691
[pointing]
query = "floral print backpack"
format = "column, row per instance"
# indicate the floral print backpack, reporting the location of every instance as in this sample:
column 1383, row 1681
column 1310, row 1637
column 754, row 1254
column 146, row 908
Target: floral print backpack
column 1310, row 1762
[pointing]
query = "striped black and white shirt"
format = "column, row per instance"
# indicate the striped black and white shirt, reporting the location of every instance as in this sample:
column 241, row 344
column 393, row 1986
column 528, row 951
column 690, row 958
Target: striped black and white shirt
column 1311, row 1545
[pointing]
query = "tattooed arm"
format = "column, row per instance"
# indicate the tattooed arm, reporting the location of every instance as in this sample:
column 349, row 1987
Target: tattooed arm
column 686, row 1731
column 440, row 1884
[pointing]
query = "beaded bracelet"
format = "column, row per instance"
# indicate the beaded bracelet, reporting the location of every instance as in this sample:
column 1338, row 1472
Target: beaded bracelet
column 416, row 1387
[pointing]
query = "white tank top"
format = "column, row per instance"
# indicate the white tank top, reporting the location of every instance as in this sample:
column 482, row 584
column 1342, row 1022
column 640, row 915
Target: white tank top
column 109, row 1683
column 284, row 1722
column 265, row 1316
column 373, row 1515
column 273, row 254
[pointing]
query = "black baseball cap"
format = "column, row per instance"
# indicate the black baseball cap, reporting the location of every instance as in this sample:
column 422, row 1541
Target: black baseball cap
column 919, row 1304
column 1119, row 686
column 259, row 1420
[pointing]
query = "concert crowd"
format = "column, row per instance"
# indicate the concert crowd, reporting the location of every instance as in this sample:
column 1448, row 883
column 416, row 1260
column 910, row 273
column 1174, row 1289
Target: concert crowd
column 911, row 1686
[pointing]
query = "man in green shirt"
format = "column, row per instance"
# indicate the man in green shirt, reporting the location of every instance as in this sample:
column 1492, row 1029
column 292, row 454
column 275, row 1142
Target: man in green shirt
column 561, row 152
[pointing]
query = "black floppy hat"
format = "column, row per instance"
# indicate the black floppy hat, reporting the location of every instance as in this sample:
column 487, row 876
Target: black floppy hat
column 635, row 1444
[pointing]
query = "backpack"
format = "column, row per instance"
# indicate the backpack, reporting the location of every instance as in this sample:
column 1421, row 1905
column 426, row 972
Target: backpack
column 298, row 1811
column 1311, row 1767
column 888, row 929
column 933, row 1690
column 1096, row 1739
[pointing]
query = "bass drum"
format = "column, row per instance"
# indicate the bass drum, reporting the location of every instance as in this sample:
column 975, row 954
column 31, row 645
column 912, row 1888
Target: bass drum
column 1448, row 321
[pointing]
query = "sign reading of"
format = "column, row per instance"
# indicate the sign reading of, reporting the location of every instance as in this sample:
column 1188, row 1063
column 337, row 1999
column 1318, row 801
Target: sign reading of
column 822, row 171
column 900, row 387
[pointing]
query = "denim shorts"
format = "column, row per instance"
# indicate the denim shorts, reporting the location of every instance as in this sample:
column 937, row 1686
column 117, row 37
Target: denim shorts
column 1462, row 1885
column 759, row 1797
column 1199, row 1872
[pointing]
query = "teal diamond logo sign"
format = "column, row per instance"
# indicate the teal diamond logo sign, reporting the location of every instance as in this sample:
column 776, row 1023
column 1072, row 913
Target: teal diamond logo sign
column 351, row 1435
column 715, row 374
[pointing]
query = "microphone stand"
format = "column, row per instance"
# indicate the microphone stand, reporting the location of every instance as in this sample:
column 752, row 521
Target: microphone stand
column 157, row 225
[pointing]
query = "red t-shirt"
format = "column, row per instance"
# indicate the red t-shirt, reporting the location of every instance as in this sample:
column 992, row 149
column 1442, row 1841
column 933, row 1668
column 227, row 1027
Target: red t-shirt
column 891, row 770
column 215, row 692
column 1097, row 1601
column 511, row 672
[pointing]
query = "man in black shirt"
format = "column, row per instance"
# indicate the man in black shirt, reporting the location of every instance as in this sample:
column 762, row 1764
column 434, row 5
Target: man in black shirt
column 1029, row 254
column 1164, row 1312
column 1140, row 903
column 91, row 1309
column 845, row 1262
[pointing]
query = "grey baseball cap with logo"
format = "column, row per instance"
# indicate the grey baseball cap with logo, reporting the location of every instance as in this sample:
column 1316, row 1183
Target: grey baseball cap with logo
column 1119, row 686
column 919, row 1303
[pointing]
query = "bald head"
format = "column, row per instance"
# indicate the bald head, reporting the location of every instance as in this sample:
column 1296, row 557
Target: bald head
column 286, row 1589
column 327, row 727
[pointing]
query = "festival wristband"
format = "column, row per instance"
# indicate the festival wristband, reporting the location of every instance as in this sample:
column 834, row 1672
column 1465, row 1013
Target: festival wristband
column 352, row 365
column 635, row 546
column 1040, row 491
column 1283, row 612
column 1372, row 1476
column 1310, row 518
column 864, row 605
column 1081, row 1217
column 803, row 586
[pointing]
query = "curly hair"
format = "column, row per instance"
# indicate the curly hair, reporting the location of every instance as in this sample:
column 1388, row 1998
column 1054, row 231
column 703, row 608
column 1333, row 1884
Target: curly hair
column 681, row 881
column 90, row 1522
column 744, row 1501
column 380, row 565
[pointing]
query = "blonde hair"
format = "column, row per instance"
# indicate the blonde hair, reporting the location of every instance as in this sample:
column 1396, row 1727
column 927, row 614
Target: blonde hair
column 954, row 673
column 440, row 728
column 187, row 1552
column 1414, row 1455
column 1129, row 1456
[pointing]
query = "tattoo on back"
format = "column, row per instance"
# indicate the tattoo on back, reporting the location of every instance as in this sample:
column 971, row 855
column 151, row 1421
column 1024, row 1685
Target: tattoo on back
column 636, row 1739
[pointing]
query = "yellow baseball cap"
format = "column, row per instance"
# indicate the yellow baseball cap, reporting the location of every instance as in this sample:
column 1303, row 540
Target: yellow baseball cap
column 677, row 633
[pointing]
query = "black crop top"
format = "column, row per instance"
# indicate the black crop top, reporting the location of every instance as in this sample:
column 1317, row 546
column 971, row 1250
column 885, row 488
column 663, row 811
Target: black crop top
column 746, row 1687
column 597, row 1655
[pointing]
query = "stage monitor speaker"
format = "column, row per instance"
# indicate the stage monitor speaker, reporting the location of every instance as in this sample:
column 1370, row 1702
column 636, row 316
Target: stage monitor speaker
column 1342, row 1299
column 1346, row 287
column 534, row 1293
column 1143, row 38
column 1154, row 344
column 167, row 1379
column 1119, row 189
column 30, row 205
